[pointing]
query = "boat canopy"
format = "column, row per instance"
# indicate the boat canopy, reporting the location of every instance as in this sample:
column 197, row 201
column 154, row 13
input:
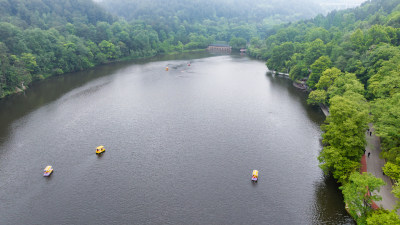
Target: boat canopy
column 100, row 147
column 47, row 168
column 255, row 173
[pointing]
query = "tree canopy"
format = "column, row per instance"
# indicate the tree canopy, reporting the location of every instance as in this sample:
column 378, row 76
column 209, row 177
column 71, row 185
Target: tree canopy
column 357, row 195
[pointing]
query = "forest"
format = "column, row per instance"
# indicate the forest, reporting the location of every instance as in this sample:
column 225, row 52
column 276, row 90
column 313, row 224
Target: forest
column 222, row 18
column 347, row 59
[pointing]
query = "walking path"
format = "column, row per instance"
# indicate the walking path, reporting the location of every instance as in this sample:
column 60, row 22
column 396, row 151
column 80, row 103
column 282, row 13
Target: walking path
column 374, row 166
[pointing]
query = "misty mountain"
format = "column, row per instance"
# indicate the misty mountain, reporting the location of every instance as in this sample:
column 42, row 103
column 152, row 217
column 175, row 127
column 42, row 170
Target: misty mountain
column 276, row 11
column 51, row 13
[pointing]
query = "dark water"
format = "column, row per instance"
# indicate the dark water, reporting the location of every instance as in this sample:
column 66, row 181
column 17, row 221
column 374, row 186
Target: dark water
column 180, row 147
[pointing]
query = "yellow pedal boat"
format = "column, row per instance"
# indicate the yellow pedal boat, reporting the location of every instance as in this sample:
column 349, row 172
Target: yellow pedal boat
column 100, row 149
column 47, row 171
column 254, row 178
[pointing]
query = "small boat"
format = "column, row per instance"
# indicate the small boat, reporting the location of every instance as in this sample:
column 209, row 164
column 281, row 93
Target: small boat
column 47, row 171
column 100, row 149
column 254, row 178
column 166, row 68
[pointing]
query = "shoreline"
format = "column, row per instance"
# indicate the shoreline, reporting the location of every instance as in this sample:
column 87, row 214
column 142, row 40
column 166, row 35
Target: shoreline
column 19, row 90
column 375, row 163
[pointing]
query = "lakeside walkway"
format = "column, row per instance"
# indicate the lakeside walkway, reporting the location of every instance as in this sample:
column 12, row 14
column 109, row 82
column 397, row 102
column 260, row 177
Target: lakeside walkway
column 374, row 166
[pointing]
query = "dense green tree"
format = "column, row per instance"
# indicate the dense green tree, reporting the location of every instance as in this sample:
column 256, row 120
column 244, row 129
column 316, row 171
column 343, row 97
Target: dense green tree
column 317, row 68
column 386, row 82
column 29, row 61
column 392, row 170
column 299, row 71
column 386, row 114
column 357, row 40
column 237, row 43
column 109, row 50
column 376, row 35
column 356, row 197
column 344, row 135
column 396, row 193
column 394, row 19
column 346, row 83
column 328, row 78
column 378, row 55
column 318, row 33
column 383, row 217
column 315, row 50
column 280, row 56
column 317, row 97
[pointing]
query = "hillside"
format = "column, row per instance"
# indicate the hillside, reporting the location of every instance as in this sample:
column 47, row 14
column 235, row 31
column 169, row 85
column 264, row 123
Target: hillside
column 41, row 38
column 259, row 16
column 199, row 10
column 256, row 11
column 46, row 14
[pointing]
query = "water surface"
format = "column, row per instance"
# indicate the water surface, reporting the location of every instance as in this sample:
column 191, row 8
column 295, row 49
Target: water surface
column 180, row 147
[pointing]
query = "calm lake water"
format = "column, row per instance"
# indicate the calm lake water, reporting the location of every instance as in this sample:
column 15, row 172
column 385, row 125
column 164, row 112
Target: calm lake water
column 180, row 147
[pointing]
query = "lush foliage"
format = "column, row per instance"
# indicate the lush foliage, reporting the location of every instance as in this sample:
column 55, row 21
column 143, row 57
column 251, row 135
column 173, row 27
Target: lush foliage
column 344, row 136
column 356, row 195
column 383, row 217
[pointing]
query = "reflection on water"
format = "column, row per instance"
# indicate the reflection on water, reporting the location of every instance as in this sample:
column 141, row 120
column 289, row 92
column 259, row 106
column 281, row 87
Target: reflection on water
column 327, row 193
column 314, row 113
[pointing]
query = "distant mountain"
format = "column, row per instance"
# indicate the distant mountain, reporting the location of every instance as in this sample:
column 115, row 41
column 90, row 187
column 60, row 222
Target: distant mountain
column 51, row 13
column 248, row 11
column 329, row 5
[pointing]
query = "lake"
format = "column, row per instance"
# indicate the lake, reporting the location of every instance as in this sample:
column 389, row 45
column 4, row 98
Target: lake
column 180, row 147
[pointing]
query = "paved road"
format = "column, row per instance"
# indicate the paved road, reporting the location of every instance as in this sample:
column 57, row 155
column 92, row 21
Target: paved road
column 374, row 166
